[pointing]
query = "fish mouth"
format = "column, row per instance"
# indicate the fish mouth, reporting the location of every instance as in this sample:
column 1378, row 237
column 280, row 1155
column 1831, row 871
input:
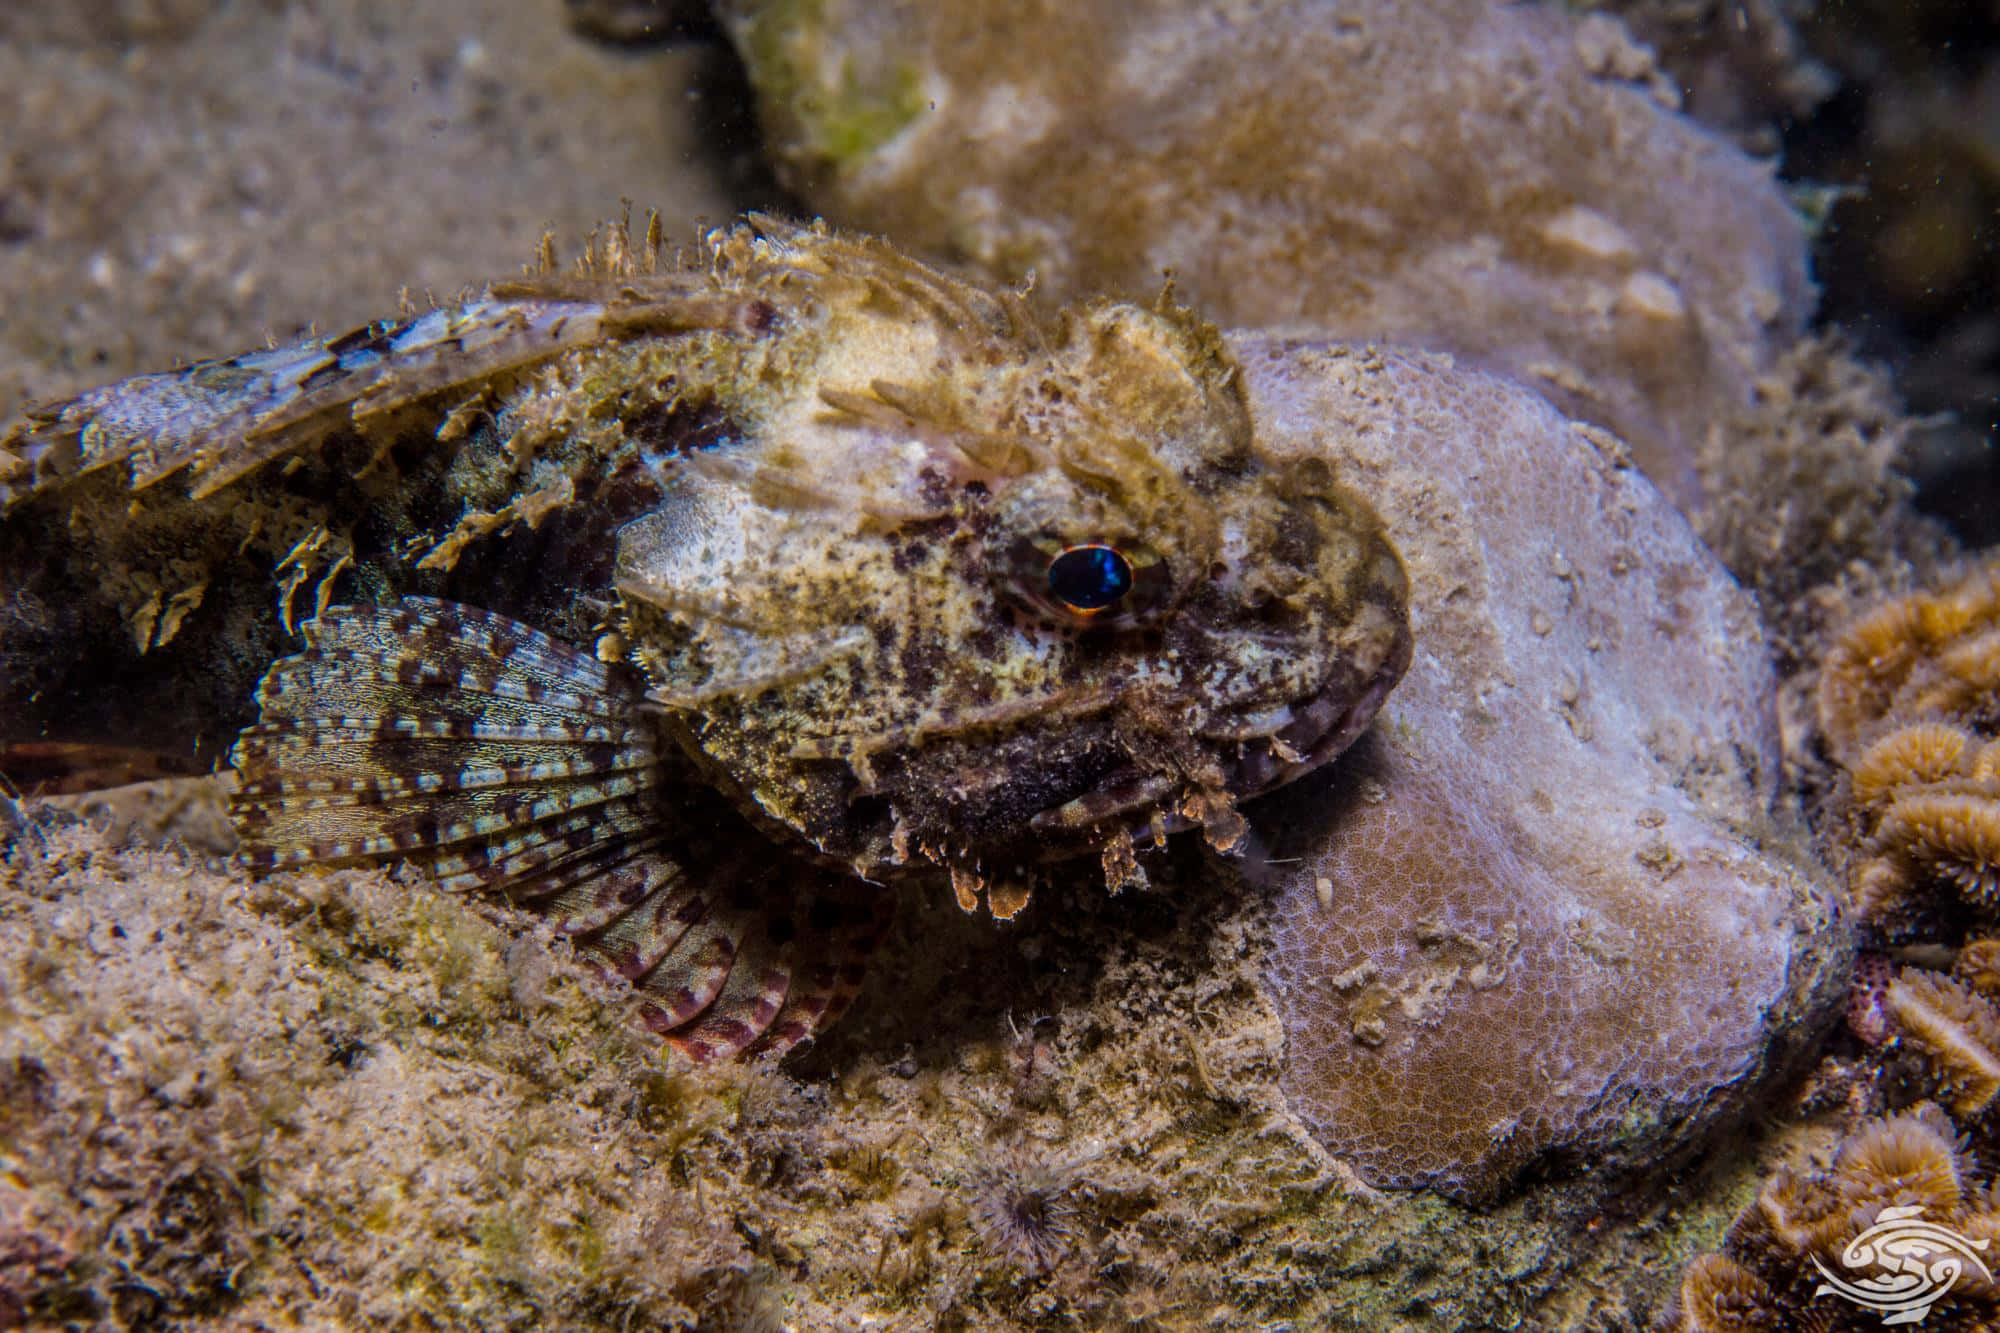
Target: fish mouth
column 1270, row 749
column 1316, row 733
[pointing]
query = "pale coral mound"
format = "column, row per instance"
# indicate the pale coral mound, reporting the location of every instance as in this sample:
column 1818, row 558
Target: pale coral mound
column 1508, row 182
column 1546, row 912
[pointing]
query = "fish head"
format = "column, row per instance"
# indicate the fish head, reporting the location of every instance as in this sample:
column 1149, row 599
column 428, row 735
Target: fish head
column 1003, row 590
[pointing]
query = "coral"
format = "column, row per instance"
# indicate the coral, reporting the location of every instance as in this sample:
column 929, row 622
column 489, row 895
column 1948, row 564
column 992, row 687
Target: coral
column 1907, row 1159
column 1978, row 966
column 1946, row 1029
column 1739, row 66
column 1909, row 704
column 1930, row 1035
column 1770, row 1271
column 1545, row 849
column 1502, row 181
column 343, row 1101
column 1794, row 1212
column 1952, row 835
column 1719, row 1295
column 1909, row 658
column 1957, row 1030
column 1912, row 756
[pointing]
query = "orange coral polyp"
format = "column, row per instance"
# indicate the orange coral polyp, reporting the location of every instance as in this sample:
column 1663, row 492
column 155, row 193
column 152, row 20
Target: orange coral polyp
column 1764, row 1276
column 1865, row 668
column 1955, row 833
column 1719, row 1295
column 1910, row 756
column 1796, row 1213
column 1968, row 677
column 1912, row 645
column 1978, row 966
column 1908, row 1158
column 1960, row 1033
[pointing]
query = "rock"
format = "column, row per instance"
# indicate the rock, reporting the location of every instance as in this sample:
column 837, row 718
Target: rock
column 1506, row 182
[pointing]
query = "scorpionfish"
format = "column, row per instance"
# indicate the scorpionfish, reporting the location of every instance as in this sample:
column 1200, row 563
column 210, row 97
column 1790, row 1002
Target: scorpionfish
column 694, row 598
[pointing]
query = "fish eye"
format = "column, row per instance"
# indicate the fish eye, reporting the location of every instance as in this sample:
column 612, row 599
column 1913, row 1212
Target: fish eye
column 1115, row 585
column 1085, row 580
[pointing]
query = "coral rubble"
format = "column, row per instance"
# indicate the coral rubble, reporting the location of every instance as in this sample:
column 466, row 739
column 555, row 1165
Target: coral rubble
column 338, row 1100
column 1507, row 182
column 327, row 1098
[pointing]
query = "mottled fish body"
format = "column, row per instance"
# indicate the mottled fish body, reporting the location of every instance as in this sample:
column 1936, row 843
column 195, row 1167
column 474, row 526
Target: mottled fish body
column 688, row 600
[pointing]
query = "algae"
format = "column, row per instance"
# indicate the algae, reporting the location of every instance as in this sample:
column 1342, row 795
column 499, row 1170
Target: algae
column 337, row 1098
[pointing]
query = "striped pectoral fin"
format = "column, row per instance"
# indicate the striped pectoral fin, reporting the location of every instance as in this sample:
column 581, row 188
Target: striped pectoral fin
column 754, row 981
column 839, row 930
column 214, row 422
column 800, row 939
column 434, row 732
column 496, row 758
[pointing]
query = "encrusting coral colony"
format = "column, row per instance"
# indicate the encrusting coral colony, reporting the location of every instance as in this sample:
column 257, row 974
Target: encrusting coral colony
column 1300, row 831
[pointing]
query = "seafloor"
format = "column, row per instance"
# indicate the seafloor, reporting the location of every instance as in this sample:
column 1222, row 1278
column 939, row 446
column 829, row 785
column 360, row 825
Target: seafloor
column 333, row 1101
column 185, row 178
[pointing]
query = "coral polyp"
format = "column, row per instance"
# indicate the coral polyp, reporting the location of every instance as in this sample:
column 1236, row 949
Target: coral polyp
column 1909, row 701
column 1799, row 1256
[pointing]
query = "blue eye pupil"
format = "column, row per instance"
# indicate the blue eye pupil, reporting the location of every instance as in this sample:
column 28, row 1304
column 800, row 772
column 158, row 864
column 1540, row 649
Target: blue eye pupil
column 1089, row 578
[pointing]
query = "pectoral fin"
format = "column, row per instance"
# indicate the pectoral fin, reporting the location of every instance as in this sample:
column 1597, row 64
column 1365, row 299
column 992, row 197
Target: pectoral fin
column 499, row 759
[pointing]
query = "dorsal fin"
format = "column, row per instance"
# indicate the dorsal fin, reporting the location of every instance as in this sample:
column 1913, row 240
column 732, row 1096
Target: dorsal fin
column 212, row 422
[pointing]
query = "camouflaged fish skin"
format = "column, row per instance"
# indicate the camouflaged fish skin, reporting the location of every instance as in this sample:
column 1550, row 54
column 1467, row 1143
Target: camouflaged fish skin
column 795, row 531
